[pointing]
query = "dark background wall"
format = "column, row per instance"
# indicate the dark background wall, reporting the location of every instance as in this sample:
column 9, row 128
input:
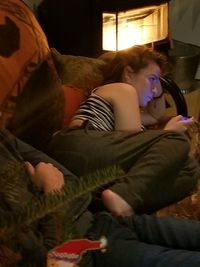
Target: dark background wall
column 72, row 27
column 75, row 26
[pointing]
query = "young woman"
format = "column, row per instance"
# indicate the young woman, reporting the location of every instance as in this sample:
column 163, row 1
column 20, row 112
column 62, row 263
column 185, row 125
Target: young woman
column 109, row 128
column 131, row 95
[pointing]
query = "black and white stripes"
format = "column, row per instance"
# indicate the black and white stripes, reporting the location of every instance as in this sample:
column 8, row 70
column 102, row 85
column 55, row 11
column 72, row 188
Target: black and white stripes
column 98, row 111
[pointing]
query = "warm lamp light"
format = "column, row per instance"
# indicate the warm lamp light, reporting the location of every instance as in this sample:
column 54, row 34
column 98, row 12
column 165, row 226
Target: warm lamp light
column 134, row 27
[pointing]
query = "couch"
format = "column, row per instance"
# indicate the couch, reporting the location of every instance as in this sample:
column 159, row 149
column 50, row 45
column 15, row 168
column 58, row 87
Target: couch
column 29, row 48
column 23, row 50
column 23, row 55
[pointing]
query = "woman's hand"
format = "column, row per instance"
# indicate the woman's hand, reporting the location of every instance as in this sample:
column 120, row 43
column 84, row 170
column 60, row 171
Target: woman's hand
column 179, row 124
column 45, row 176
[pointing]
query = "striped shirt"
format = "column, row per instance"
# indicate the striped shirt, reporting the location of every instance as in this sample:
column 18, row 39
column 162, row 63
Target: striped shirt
column 98, row 111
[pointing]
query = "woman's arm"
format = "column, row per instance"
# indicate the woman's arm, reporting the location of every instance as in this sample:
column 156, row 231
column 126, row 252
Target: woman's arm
column 154, row 112
column 124, row 100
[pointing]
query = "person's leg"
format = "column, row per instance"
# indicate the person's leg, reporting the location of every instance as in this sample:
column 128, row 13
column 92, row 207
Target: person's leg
column 128, row 246
column 170, row 232
column 152, row 160
column 116, row 204
column 133, row 253
column 157, row 188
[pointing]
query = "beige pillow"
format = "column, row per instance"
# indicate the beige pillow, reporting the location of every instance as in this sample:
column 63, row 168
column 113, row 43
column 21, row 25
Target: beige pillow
column 82, row 72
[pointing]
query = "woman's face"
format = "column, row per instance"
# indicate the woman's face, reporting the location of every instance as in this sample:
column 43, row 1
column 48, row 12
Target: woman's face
column 147, row 83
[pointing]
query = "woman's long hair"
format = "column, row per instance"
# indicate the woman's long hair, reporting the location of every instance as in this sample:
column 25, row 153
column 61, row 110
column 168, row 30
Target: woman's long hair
column 40, row 108
column 137, row 57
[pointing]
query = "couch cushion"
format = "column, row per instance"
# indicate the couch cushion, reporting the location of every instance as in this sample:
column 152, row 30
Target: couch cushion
column 40, row 108
column 23, row 45
column 82, row 72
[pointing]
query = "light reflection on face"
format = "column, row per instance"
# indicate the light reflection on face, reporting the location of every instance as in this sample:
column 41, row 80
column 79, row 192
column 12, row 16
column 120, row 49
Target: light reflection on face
column 147, row 83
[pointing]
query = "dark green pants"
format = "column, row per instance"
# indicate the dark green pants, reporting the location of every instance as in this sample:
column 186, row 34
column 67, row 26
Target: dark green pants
column 158, row 169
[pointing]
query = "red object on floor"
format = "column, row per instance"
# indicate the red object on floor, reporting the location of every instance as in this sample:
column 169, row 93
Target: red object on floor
column 72, row 250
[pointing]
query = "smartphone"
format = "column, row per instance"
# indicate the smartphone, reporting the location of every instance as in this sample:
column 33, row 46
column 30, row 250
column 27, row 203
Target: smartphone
column 186, row 118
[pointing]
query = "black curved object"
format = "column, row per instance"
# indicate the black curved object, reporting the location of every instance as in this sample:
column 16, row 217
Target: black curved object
column 171, row 87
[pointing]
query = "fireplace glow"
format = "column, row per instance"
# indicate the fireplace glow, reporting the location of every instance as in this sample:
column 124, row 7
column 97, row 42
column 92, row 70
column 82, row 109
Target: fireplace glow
column 136, row 26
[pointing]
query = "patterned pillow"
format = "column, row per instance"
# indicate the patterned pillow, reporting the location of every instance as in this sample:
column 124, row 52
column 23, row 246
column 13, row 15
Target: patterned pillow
column 23, row 45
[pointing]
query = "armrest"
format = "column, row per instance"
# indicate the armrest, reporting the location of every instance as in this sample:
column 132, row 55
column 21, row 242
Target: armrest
column 172, row 88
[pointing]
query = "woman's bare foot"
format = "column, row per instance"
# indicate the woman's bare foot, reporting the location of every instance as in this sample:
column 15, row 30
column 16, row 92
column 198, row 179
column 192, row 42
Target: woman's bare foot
column 115, row 204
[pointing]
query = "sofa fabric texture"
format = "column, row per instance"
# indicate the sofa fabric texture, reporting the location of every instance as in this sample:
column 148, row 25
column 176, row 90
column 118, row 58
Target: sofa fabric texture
column 82, row 72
